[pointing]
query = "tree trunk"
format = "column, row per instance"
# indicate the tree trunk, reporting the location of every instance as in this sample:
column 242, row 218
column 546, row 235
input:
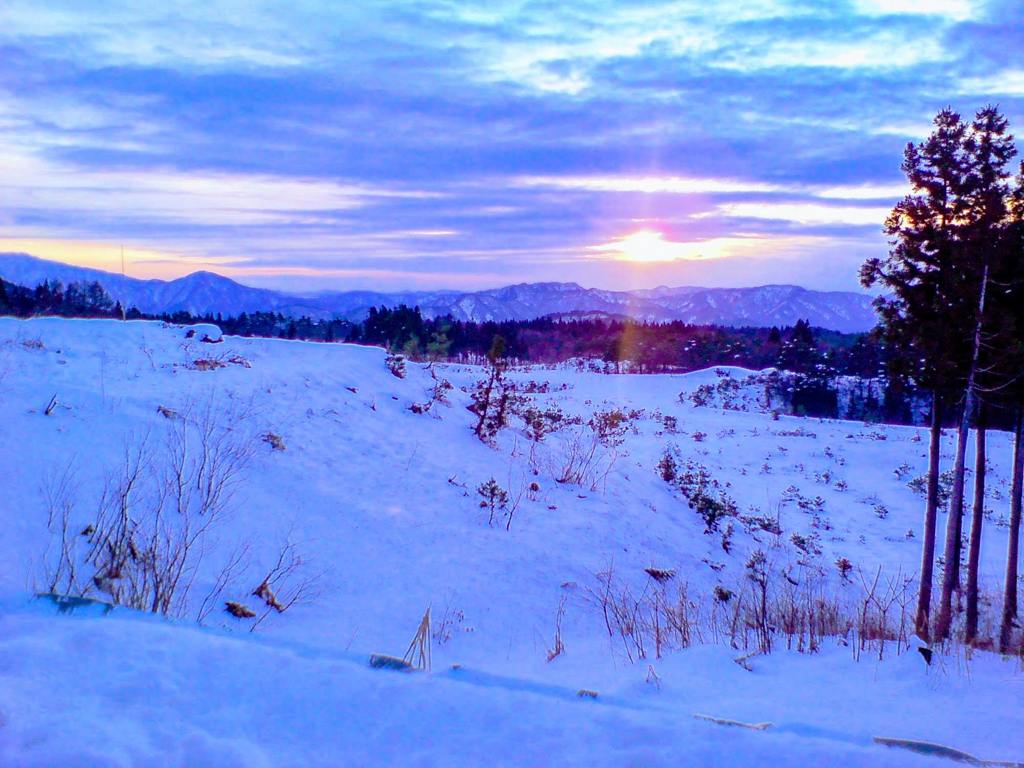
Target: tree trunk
column 977, row 519
column 951, row 551
column 951, row 566
column 924, row 595
column 1010, row 590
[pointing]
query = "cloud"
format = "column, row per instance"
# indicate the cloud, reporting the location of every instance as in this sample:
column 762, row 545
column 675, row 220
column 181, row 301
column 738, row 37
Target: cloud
column 646, row 184
column 1008, row 82
column 165, row 194
column 806, row 213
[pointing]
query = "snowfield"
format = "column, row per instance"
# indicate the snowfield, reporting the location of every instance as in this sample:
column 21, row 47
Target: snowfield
column 382, row 503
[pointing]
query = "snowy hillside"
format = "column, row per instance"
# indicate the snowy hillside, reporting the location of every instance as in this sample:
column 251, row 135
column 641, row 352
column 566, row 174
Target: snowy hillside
column 343, row 465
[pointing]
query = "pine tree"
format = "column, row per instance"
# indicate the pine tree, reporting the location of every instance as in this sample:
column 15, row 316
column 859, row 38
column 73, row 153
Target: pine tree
column 921, row 274
column 493, row 397
column 989, row 149
column 1013, row 262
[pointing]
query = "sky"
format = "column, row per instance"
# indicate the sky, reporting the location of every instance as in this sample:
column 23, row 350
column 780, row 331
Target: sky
column 442, row 144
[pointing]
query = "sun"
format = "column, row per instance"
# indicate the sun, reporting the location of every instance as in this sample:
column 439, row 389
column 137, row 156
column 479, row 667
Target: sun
column 645, row 245
column 649, row 246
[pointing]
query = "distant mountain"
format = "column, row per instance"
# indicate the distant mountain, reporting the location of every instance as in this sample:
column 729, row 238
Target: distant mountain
column 210, row 293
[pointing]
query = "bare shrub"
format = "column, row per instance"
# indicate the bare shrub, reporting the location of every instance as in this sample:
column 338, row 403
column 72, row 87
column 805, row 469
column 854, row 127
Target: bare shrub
column 651, row 620
column 558, row 648
column 767, row 608
column 59, row 496
column 451, row 619
column 146, row 544
column 237, row 563
column 883, row 612
column 438, row 394
column 584, row 458
column 287, row 583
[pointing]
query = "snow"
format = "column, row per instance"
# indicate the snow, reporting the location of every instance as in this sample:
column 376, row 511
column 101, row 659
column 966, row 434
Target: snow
column 89, row 692
column 382, row 501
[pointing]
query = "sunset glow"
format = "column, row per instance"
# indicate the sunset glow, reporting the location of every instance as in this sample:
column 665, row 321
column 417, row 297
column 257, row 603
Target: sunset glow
column 646, row 246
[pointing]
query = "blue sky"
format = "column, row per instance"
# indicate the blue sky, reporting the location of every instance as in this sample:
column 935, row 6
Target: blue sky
column 436, row 143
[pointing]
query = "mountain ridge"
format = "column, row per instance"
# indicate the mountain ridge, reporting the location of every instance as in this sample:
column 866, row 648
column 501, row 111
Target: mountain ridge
column 206, row 292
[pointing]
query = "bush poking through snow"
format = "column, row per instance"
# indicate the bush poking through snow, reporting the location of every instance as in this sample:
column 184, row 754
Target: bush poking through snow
column 845, row 568
column 238, row 610
column 611, row 425
column 493, row 498
column 494, row 398
column 766, row 523
column 541, row 422
column 705, row 494
column 396, row 364
column 660, row 575
column 920, row 485
column 667, row 469
column 438, row 394
column 558, row 647
column 220, row 361
column 274, row 440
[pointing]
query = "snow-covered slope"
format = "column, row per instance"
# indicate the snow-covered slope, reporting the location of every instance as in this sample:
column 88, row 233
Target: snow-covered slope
column 205, row 292
column 381, row 501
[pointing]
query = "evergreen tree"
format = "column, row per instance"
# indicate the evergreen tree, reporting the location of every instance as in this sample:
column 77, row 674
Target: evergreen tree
column 988, row 149
column 1013, row 264
column 921, row 273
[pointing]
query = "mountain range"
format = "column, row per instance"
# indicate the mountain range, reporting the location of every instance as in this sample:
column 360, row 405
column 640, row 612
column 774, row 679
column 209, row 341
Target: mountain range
column 210, row 293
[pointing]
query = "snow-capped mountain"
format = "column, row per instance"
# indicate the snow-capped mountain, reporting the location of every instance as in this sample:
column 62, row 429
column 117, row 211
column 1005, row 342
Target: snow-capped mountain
column 206, row 292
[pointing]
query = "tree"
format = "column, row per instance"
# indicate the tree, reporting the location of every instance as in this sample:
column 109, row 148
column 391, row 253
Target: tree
column 1013, row 250
column 921, row 274
column 439, row 344
column 977, row 520
column 493, row 498
column 97, row 299
column 493, row 397
column 988, row 149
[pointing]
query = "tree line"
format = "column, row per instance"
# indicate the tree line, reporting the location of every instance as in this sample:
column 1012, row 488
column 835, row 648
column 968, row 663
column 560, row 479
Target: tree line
column 953, row 318
column 621, row 343
column 51, row 297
